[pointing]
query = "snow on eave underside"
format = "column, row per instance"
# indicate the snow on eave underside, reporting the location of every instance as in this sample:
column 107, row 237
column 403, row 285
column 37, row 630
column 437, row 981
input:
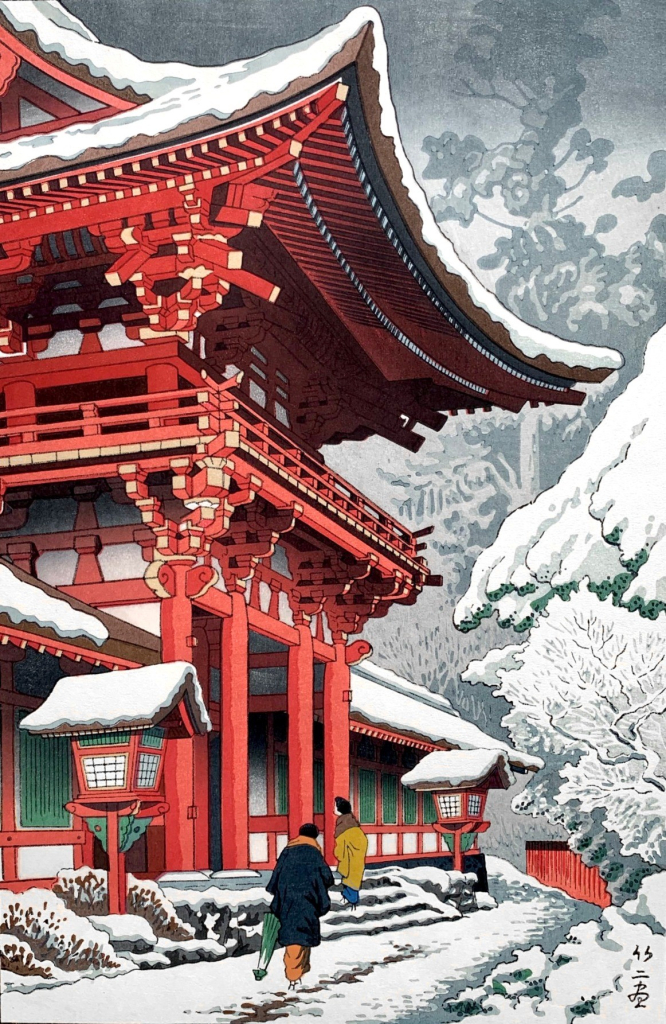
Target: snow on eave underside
column 182, row 93
column 22, row 602
column 135, row 696
column 457, row 768
column 382, row 698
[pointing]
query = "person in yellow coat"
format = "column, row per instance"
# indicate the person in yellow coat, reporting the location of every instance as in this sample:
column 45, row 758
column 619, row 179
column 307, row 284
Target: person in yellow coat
column 351, row 846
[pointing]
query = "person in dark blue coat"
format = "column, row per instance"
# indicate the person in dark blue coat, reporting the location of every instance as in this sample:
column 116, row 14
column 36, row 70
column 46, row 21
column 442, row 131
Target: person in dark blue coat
column 299, row 886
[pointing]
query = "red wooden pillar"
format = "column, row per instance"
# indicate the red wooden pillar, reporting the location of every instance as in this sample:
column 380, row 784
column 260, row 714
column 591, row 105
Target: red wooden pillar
column 300, row 709
column 117, row 877
column 234, row 715
column 161, row 377
column 8, row 815
column 19, row 394
column 201, row 661
column 176, row 629
column 336, row 739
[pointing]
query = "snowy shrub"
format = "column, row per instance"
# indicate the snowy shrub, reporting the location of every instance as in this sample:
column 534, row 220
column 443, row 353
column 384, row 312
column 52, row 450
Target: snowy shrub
column 587, row 693
column 18, row 958
column 148, row 901
column 41, row 921
column 84, row 891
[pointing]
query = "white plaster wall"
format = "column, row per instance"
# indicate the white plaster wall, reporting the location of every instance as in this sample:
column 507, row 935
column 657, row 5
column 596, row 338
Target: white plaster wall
column 145, row 615
column 57, row 568
column 44, row 861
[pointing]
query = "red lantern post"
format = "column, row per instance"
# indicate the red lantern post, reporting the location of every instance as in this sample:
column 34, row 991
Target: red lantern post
column 120, row 725
column 459, row 781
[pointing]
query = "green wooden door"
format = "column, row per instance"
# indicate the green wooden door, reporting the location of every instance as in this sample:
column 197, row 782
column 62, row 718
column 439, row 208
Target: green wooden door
column 281, row 784
column 319, row 787
column 367, row 796
column 429, row 809
column 409, row 806
column 390, row 799
column 45, row 779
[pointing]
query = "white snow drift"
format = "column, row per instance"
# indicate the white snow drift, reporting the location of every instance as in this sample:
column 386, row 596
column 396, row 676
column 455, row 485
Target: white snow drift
column 606, row 510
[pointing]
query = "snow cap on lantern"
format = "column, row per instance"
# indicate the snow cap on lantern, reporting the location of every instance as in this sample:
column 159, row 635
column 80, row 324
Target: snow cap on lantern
column 120, row 722
column 459, row 781
column 461, row 769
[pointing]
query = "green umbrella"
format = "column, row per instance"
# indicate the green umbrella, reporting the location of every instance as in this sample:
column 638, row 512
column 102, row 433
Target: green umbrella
column 268, row 940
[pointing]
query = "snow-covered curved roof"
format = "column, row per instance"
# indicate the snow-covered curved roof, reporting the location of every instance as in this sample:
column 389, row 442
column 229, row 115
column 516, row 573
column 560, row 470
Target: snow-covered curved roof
column 133, row 698
column 23, row 602
column 183, row 100
column 382, row 698
column 460, row 769
column 600, row 521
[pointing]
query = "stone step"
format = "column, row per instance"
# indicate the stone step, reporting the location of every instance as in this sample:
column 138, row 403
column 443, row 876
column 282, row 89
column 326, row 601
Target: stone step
column 377, row 926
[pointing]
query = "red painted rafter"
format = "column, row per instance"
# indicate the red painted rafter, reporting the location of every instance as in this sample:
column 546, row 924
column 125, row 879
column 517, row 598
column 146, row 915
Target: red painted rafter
column 340, row 197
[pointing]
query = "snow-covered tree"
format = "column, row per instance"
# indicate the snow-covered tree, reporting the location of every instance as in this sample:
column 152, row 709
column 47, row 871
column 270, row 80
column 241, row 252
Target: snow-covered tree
column 605, row 519
column 587, row 693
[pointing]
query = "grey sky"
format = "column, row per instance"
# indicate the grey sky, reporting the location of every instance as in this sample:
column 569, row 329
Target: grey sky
column 626, row 92
column 624, row 99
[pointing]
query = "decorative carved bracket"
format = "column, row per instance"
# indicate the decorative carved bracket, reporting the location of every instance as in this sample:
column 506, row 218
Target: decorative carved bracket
column 252, row 536
column 17, row 258
column 370, row 597
column 321, row 576
column 205, row 488
column 181, row 265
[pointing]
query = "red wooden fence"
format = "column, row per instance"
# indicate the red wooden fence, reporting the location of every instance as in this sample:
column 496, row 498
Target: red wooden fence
column 553, row 863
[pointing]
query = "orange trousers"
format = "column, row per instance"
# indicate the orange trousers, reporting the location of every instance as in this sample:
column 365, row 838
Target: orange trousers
column 296, row 961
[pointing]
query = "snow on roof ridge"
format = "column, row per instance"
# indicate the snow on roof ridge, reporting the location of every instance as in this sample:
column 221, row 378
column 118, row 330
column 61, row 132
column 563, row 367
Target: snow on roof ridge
column 224, row 91
column 61, row 33
column 59, row 15
column 398, row 707
column 23, row 602
column 392, row 681
column 113, row 698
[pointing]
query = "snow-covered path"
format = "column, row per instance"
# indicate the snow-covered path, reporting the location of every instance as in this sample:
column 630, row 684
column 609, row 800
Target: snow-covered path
column 391, row 976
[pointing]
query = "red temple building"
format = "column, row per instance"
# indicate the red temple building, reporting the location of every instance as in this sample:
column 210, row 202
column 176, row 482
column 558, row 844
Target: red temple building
column 206, row 276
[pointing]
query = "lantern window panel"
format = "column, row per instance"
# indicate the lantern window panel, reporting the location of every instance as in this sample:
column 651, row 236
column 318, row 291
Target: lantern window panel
column 146, row 775
column 105, row 739
column 106, row 771
column 153, row 737
column 450, row 805
column 474, row 804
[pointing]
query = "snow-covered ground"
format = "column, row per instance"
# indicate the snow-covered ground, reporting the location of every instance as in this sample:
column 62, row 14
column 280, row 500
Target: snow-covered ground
column 397, row 976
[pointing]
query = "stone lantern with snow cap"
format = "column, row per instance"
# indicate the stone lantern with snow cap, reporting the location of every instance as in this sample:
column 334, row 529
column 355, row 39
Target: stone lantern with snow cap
column 459, row 781
column 120, row 724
